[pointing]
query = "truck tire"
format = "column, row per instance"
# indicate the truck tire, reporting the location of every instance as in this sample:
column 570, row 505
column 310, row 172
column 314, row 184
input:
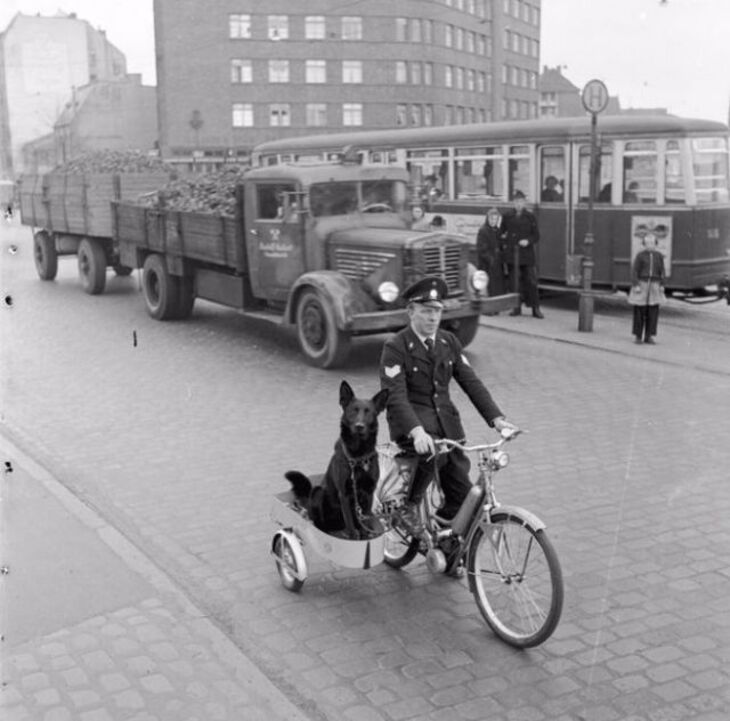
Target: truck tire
column 465, row 329
column 92, row 266
column 323, row 344
column 161, row 290
column 45, row 255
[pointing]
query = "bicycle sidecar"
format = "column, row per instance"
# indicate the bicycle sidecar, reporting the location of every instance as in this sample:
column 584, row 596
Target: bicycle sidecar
column 297, row 533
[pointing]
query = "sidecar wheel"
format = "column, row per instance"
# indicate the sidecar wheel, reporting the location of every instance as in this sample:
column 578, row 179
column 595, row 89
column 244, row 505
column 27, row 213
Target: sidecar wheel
column 290, row 561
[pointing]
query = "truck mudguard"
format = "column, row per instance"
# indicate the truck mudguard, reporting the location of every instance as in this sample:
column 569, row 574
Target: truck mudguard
column 346, row 297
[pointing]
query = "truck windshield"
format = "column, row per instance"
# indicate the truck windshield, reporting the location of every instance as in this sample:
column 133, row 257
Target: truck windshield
column 710, row 166
column 327, row 199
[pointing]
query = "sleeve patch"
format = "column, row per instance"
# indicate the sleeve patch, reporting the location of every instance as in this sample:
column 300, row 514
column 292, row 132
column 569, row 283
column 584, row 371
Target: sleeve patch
column 392, row 371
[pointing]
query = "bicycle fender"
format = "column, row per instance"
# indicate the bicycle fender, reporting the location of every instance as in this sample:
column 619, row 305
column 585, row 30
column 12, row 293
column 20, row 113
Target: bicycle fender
column 528, row 518
column 300, row 573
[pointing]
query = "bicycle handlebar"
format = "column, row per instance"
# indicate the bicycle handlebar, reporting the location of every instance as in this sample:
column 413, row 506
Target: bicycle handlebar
column 446, row 444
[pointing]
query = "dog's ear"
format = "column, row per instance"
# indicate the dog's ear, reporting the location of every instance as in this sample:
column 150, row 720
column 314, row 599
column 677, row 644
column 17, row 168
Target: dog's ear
column 346, row 393
column 380, row 400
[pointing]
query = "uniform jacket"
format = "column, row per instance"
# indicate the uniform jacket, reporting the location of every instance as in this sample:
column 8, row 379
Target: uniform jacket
column 419, row 386
column 518, row 227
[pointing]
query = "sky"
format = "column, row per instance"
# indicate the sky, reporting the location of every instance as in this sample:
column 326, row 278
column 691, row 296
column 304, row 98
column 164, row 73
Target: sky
column 673, row 54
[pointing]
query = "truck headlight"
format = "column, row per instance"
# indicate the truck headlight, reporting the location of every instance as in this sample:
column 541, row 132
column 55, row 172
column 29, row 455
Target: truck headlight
column 479, row 281
column 388, row 291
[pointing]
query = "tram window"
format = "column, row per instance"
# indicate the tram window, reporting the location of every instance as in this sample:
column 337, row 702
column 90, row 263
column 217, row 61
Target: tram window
column 710, row 168
column 639, row 172
column 673, row 181
column 519, row 170
column 604, row 173
column 480, row 178
column 429, row 170
column 552, row 175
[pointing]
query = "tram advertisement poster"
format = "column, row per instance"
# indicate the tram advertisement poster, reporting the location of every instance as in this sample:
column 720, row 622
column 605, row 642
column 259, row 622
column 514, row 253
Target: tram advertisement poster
column 656, row 226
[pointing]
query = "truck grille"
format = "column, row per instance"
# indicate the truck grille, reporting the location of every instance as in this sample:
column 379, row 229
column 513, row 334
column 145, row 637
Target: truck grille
column 444, row 261
column 358, row 264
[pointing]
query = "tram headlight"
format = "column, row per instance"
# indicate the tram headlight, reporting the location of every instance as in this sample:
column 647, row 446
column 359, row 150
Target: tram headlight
column 388, row 291
column 479, row 281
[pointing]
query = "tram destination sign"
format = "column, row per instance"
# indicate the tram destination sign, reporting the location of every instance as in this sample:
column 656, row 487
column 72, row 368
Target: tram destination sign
column 595, row 96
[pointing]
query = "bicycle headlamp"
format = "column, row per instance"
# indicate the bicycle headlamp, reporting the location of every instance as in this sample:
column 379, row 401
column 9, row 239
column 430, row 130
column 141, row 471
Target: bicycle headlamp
column 500, row 459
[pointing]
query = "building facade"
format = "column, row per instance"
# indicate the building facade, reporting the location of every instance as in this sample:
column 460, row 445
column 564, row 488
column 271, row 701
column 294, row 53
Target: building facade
column 231, row 78
column 43, row 58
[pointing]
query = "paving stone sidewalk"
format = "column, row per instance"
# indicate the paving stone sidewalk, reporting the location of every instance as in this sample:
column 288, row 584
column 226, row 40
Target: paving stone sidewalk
column 120, row 640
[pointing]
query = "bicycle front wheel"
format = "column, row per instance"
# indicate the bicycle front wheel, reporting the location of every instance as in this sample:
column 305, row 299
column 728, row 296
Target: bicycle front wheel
column 516, row 580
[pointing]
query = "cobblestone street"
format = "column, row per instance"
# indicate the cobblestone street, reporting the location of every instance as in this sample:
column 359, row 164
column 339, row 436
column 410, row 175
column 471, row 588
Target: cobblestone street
column 177, row 435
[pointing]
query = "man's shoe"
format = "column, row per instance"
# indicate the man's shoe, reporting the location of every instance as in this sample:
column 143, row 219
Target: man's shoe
column 516, row 311
column 537, row 313
column 650, row 341
column 637, row 339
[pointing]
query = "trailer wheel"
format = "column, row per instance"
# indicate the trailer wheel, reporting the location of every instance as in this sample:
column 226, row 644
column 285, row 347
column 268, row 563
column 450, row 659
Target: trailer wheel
column 92, row 266
column 45, row 255
column 323, row 344
column 161, row 289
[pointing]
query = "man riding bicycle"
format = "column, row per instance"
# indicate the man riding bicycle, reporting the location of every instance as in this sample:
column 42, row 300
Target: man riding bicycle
column 416, row 366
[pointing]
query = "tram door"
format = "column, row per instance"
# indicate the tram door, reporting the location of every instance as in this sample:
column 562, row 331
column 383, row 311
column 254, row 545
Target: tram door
column 554, row 201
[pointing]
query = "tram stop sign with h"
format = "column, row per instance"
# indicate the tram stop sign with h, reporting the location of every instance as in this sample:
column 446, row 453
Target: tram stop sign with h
column 595, row 96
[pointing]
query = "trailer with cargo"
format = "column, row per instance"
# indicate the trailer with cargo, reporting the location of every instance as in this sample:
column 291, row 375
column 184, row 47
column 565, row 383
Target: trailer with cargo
column 327, row 248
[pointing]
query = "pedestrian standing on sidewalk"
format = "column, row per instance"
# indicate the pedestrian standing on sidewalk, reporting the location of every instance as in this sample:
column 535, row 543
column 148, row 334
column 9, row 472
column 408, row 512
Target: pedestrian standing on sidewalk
column 489, row 252
column 521, row 234
column 647, row 293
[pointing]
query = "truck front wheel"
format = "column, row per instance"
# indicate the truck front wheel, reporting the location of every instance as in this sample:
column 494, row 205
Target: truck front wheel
column 323, row 344
column 45, row 255
column 160, row 288
column 92, row 266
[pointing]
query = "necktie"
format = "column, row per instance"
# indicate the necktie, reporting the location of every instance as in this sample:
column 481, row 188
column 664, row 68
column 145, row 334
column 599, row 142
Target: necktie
column 429, row 347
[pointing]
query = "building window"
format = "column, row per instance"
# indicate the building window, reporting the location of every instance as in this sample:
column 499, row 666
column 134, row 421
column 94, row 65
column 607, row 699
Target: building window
column 515, row 42
column 352, row 114
column 416, row 32
column 401, row 72
column 351, row 28
column 514, row 75
column 316, row 114
column 316, row 71
column 314, row 27
column 242, row 115
column 449, row 36
column 470, row 42
column 459, row 38
column 241, row 71
column 401, row 115
column 471, row 83
column 428, row 31
column 415, row 115
column 401, row 29
column 279, row 115
column 239, row 26
column 352, row 71
column 490, row 82
column 505, row 74
column 278, row 71
column 459, row 115
column 416, row 73
column 278, row 27
column 460, row 78
column 449, row 115
column 428, row 114
column 428, row 73
column 481, row 82
column 506, row 39
column 448, row 76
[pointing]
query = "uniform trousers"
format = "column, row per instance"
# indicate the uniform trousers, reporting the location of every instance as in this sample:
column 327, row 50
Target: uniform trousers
column 453, row 470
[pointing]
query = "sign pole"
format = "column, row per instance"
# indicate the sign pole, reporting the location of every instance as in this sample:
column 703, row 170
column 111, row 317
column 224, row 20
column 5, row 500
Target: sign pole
column 595, row 99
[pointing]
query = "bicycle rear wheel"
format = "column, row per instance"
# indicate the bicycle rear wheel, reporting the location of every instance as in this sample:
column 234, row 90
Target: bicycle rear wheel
column 516, row 580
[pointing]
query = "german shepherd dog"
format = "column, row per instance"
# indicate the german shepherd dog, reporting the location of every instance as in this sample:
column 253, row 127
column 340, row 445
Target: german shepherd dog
column 345, row 494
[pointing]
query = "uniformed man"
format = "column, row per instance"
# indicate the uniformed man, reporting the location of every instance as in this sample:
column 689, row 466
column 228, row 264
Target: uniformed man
column 416, row 366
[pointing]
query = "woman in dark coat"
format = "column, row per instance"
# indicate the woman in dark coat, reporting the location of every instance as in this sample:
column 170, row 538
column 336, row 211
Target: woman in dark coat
column 647, row 293
column 489, row 252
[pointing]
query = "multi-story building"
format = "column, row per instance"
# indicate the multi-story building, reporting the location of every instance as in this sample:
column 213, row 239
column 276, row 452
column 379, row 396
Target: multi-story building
column 559, row 97
column 41, row 60
column 230, row 76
